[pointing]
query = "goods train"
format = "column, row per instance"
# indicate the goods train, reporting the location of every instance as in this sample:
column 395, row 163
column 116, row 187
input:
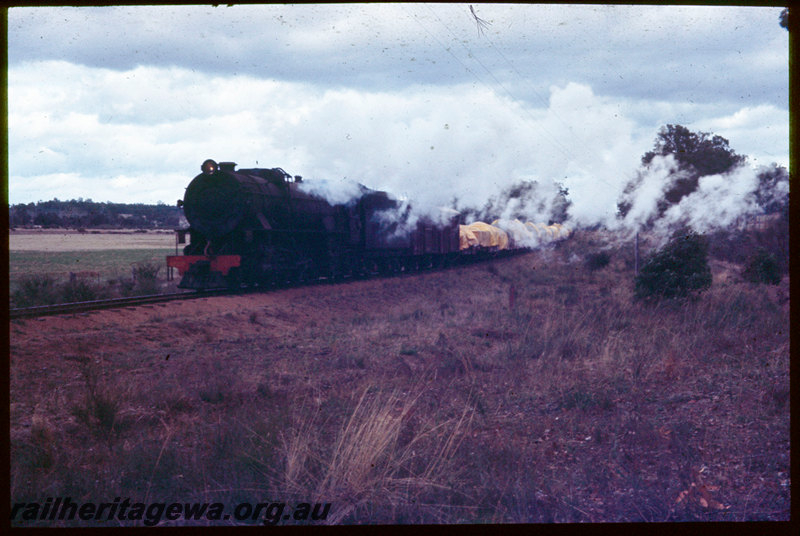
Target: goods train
column 259, row 227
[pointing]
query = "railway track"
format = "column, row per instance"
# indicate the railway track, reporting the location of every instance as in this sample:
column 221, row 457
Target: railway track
column 112, row 303
column 116, row 303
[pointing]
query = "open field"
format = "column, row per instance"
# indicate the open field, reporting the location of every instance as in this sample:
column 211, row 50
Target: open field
column 107, row 263
column 101, row 258
column 523, row 390
column 59, row 240
column 109, row 253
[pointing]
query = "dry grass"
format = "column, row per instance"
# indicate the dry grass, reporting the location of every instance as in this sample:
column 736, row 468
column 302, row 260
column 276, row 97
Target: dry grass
column 373, row 464
column 60, row 240
column 438, row 398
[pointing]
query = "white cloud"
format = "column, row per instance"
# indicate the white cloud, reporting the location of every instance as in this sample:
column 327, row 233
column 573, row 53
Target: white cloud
column 430, row 144
column 652, row 51
column 760, row 132
column 405, row 97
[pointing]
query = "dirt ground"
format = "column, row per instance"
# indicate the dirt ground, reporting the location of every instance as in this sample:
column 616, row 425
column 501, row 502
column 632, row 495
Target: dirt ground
column 38, row 346
column 582, row 406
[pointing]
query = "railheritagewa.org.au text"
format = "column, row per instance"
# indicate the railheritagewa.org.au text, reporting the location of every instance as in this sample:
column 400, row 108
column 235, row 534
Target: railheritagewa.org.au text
column 151, row 514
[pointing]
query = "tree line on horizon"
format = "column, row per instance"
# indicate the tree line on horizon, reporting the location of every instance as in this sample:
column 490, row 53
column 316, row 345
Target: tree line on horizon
column 84, row 213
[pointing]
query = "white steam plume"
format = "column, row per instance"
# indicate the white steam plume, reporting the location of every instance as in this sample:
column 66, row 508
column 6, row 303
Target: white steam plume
column 436, row 151
column 336, row 192
column 462, row 147
column 716, row 204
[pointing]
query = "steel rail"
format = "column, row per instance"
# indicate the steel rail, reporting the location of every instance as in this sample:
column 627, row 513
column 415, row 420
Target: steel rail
column 111, row 303
column 133, row 301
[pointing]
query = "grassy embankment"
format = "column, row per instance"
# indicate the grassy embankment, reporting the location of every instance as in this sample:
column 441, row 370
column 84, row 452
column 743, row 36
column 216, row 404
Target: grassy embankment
column 446, row 397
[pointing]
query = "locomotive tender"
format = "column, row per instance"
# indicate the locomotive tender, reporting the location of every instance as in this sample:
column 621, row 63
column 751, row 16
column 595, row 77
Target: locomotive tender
column 258, row 227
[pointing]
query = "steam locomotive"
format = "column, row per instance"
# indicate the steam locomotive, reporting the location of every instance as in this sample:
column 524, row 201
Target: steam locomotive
column 260, row 227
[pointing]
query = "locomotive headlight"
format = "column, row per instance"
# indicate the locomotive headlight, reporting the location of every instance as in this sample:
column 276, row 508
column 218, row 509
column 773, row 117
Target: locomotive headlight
column 209, row 167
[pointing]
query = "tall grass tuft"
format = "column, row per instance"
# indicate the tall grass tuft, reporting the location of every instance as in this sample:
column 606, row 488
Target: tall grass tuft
column 375, row 467
column 100, row 408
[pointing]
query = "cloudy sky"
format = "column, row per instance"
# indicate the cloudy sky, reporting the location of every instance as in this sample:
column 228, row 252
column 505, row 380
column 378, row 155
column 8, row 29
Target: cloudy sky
column 124, row 103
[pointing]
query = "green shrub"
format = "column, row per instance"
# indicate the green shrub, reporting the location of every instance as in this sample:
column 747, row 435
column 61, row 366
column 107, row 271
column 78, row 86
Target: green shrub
column 597, row 261
column 123, row 286
column 145, row 276
column 676, row 271
column 145, row 271
column 35, row 289
column 762, row 267
column 79, row 290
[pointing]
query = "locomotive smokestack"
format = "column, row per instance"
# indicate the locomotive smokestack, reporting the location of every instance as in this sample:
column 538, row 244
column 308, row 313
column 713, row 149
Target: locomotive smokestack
column 227, row 166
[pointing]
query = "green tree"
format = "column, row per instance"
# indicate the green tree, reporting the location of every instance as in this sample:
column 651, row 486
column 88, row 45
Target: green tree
column 700, row 152
column 678, row 270
column 697, row 154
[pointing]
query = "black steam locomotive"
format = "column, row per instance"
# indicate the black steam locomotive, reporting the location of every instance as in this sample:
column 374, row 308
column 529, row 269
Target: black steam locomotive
column 258, row 227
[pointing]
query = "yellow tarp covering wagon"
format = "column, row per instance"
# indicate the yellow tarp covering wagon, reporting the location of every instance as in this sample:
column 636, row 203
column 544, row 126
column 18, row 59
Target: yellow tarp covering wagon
column 509, row 234
column 480, row 234
column 559, row 231
column 534, row 229
column 519, row 234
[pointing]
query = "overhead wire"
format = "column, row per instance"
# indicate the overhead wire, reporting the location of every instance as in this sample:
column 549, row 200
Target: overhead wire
column 513, row 68
column 558, row 144
column 470, row 54
column 555, row 142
